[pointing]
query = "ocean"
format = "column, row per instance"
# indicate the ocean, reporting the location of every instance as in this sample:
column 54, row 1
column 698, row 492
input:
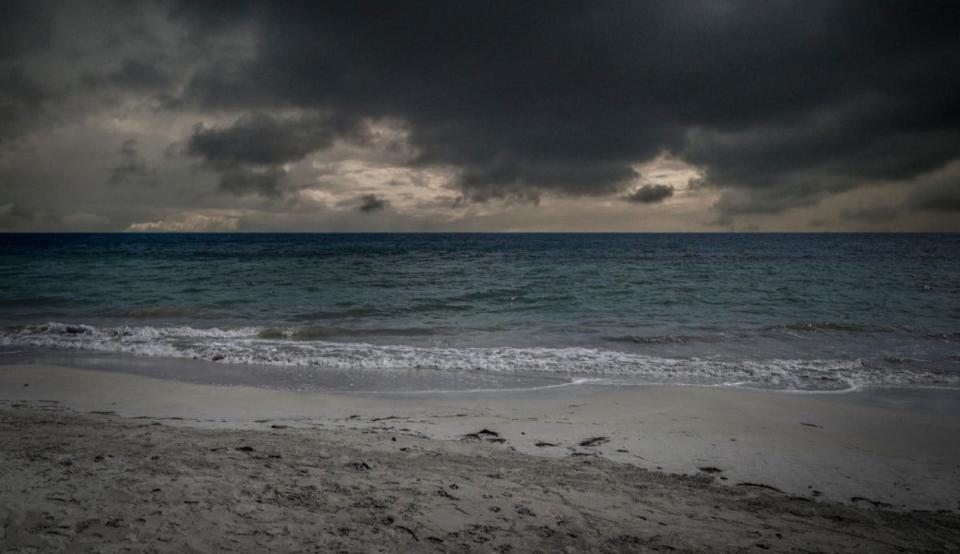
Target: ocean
column 802, row 312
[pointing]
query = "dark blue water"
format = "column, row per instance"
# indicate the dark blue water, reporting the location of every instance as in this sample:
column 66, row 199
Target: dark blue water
column 806, row 311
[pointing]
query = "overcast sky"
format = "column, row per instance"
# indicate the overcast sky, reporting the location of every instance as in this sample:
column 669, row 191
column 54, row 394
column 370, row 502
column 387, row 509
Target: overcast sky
column 480, row 116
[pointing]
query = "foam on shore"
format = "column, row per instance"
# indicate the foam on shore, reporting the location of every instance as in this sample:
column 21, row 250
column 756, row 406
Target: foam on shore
column 270, row 347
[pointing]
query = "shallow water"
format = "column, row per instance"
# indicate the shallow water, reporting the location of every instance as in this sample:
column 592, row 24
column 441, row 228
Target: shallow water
column 785, row 311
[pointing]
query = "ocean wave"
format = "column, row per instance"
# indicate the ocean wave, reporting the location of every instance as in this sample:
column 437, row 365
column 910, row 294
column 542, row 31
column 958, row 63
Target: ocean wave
column 789, row 329
column 167, row 312
column 667, row 339
column 255, row 345
column 319, row 332
column 826, row 326
column 946, row 337
column 32, row 301
column 350, row 313
column 794, row 330
column 74, row 332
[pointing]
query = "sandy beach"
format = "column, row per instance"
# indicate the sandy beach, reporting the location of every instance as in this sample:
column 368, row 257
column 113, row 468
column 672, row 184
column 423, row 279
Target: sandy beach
column 114, row 462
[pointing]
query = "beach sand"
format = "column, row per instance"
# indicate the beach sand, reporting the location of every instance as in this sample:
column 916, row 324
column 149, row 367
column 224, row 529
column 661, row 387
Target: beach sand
column 113, row 462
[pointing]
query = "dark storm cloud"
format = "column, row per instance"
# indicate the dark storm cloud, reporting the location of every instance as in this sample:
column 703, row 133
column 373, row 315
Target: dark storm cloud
column 21, row 99
column 371, row 203
column 250, row 152
column 878, row 214
column 133, row 75
column 259, row 139
column 938, row 197
column 53, row 53
column 24, row 26
column 265, row 182
column 650, row 194
column 779, row 104
column 769, row 200
column 804, row 97
column 131, row 169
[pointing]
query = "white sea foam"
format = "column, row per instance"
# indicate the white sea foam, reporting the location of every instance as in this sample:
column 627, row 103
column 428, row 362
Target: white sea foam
column 245, row 345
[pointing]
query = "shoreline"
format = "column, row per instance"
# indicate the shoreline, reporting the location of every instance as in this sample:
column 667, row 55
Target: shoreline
column 414, row 381
column 819, row 447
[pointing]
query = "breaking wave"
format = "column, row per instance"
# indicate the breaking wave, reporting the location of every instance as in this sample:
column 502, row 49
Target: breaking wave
column 289, row 347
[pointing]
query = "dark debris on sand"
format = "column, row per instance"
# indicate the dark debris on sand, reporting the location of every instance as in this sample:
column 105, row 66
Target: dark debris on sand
column 595, row 441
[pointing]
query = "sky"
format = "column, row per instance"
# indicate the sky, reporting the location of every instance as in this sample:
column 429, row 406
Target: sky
column 480, row 116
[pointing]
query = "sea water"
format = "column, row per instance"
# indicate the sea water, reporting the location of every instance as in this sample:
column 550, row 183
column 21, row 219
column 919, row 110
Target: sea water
column 808, row 312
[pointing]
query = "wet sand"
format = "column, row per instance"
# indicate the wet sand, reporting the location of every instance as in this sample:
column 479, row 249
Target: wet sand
column 168, row 466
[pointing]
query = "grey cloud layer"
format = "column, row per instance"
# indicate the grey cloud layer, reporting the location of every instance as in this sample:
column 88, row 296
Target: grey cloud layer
column 781, row 104
column 250, row 153
column 371, row 203
column 813, row 97
column 649, row 194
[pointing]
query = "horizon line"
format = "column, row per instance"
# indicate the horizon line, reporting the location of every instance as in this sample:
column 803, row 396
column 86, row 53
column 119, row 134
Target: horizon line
column 143, row 233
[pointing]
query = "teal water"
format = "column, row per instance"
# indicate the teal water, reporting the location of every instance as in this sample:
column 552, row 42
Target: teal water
column 796, row 311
